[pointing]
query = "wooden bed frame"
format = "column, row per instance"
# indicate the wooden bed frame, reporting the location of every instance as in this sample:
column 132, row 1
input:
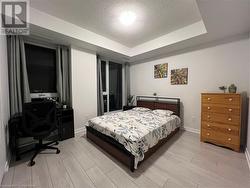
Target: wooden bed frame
column 117, row 150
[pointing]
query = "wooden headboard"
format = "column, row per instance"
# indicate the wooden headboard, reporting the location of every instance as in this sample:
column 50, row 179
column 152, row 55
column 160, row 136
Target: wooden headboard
column 163, row 103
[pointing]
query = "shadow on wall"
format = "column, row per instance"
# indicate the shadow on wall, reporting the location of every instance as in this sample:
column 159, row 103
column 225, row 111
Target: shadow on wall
column 244, row 119
column 182, row 114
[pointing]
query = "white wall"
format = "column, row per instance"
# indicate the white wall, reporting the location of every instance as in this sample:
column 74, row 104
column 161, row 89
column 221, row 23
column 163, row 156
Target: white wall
column 208, row 68
column 4, row 103
column 248, row 133
column 84, row 86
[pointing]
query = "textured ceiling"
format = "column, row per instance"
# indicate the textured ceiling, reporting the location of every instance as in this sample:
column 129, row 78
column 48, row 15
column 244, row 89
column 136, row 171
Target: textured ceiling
column 224, row 21
column 154, row 17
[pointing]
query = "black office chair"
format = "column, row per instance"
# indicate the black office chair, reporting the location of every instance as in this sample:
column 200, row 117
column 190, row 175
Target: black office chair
column 39, row 120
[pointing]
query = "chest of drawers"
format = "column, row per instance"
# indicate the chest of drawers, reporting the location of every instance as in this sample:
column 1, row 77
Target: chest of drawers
column 221, row 119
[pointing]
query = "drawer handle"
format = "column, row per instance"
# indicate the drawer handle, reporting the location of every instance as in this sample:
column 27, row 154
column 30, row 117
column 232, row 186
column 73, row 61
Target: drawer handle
column 230, row 109
column 229, row 119
column 208, row 125
column 208, row 107
column 229, row 129
column 208, row 117
column 229, row 139
column 230, row 99
column 208, row 134
column 209, row 99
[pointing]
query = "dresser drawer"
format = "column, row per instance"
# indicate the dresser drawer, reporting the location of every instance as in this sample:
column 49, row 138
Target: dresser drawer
column 217, row 137
column 215, row 108
column 228, row 99
column 223, row 128
column 221, row 118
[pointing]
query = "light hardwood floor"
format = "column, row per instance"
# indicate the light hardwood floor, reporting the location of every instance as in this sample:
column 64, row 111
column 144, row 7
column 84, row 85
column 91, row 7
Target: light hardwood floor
column 183, row 162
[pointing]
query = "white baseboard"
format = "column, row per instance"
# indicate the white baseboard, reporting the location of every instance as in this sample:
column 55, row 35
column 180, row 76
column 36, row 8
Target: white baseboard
column 192, row 130
column 80, row 130
column 6, row 167
column 248, row 157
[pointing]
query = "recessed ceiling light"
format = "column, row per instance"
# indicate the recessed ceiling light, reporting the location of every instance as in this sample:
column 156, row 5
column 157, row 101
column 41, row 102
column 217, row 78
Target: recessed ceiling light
column 127, row 18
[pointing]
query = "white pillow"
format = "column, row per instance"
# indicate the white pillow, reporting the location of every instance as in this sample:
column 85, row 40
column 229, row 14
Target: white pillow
column 141, row 109
column 163, row 112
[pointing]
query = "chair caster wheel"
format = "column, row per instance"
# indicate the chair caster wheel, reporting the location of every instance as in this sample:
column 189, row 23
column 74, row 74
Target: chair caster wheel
column 57, row 151
column 32, row 163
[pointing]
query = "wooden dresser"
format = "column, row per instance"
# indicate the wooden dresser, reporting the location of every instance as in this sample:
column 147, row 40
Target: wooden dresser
column 221, row 119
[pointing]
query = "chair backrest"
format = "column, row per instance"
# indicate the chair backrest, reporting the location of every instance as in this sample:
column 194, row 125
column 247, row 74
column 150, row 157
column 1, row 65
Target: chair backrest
column 39, row 118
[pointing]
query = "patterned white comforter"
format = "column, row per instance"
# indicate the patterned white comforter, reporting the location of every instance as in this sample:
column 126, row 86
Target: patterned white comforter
column 137, row 131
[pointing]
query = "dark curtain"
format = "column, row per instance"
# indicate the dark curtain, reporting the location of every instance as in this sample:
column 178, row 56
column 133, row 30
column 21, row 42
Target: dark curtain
column 127, row 82
column 64, row 75
column 18, row 78
column 100, row 104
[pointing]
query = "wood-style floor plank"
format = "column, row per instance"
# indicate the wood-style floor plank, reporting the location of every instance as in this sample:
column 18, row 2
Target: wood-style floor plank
column 183, row 162
column 143, row 181
column 99, row 179
column 80, row 153
column 102, row 161
column 40, row 173
column 121, row 179
column 8, row 178
column 156, row 175
column 59, row 175
column 22, row 176
column 170, row 183
column 76, row 173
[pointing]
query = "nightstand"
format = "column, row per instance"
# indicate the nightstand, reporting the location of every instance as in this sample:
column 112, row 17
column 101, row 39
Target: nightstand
column 127, row 108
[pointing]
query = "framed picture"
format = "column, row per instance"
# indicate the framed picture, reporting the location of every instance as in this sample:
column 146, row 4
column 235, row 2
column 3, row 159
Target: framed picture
column 179, row 76
column 161, row 71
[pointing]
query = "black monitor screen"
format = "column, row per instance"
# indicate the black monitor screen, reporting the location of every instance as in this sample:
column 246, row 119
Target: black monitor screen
column 41, row 68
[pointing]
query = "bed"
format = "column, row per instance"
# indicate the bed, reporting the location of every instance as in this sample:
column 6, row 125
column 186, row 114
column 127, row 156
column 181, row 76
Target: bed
column 132, row 136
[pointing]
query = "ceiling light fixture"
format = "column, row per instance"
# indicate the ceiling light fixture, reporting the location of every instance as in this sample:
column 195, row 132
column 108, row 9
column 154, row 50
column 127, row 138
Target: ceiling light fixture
column 127, row 18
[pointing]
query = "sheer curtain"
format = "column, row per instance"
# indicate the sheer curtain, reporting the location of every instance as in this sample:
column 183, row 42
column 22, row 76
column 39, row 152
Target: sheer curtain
column 64, row 75
column 18, row 78
column 100, row 104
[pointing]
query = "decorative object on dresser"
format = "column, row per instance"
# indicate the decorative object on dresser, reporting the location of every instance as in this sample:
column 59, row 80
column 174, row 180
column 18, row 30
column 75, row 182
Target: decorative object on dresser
column 232, row 88
column 223, row 88
column 222, row 119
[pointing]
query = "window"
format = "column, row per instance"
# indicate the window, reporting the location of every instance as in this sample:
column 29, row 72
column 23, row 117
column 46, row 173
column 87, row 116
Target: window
column 41, row 68
column 112, row 86
column 103, row 76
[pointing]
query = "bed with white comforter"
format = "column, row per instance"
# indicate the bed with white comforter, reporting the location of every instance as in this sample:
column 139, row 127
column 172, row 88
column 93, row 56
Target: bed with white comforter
column 137, row 130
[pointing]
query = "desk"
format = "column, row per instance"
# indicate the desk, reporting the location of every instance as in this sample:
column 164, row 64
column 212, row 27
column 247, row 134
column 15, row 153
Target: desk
column 20, row 144
column 65, row 122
